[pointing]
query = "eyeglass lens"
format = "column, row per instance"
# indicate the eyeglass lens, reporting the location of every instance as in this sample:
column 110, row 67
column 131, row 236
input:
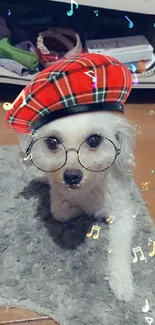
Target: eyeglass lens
column 97, row 159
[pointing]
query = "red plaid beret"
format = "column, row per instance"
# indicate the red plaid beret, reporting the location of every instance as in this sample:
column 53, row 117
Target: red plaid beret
column 66, row 88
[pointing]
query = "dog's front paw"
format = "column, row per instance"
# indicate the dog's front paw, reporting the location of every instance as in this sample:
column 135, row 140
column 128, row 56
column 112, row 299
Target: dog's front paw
column 122, row 287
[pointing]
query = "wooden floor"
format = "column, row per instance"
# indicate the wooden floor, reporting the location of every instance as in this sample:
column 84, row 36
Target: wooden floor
column 143, row 117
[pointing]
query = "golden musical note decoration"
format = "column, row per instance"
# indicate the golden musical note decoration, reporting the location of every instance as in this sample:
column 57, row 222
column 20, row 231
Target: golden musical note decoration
column 152, row 253
column 137, row 129
column 7, row 106
column 151, row 112
column 145, row 185
column 110, row 219
column 141, row 258
column 146, row 308
column 149, row 241
column 96, row 229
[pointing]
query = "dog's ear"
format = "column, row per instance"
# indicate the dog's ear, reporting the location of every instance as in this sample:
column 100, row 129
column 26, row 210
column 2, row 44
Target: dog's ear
column 125, row 137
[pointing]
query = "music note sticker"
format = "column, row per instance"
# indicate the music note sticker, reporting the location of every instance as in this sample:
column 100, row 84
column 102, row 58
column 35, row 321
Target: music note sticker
column 70, row 12
column 149, row 320
column 145, row 185
column 7, row 106
column 151, row 112
column 152, row 253
column 135, row 81
column 96, row 229
column 149, row 241
column 111, row 219
column 88, row 74
column 146, row 308
column 96, row 12
column 130, row 22
column 29, row 157
column 133, row 68
column 142, row 257
column 134, row 216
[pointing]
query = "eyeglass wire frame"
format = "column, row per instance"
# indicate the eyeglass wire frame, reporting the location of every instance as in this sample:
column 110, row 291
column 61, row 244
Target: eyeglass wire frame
column 29, row 155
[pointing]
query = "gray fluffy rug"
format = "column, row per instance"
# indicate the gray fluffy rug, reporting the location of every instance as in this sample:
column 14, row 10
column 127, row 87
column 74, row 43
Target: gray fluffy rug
column 53, row 268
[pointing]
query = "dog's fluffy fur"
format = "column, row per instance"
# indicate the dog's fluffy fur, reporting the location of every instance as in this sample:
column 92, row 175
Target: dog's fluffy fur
column 106, row 193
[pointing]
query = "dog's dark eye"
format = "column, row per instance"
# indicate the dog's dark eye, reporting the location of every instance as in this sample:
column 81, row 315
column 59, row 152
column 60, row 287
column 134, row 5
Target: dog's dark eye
column 94, row 141
column 52, row 143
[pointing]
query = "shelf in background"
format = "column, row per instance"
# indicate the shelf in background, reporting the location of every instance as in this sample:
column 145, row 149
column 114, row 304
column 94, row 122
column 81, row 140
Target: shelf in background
column 9, row 77
column 146, row 7
column 12, row 78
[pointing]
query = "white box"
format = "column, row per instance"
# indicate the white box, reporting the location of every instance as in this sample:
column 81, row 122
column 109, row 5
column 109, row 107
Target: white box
column 124, row 49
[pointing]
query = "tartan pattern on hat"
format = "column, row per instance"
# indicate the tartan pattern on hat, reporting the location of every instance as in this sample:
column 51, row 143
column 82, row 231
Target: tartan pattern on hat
column 65, row 84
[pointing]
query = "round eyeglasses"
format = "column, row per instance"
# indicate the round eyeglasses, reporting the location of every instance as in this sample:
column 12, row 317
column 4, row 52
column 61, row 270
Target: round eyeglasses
column 50, row 155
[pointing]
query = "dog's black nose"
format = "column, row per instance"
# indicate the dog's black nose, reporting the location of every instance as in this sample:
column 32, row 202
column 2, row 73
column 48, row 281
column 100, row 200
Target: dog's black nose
column 72, row 176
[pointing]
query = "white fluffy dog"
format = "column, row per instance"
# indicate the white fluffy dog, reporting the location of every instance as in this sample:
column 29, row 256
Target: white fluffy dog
column 90, row 180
